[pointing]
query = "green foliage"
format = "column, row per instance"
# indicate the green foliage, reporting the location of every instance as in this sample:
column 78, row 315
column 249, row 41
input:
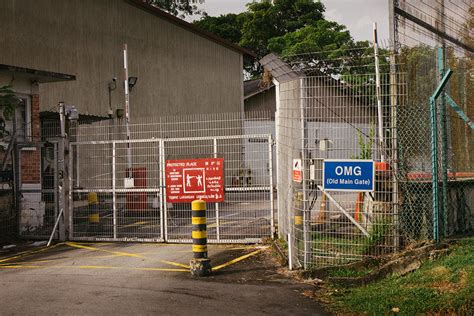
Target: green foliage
column 227, row 26
column 180, row 8
column 322, row 35
column 443, row 286
column 365, row 145
column 8, row 101
column 266, row 21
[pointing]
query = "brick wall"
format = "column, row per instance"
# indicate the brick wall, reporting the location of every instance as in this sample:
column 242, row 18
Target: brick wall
column 30, row 160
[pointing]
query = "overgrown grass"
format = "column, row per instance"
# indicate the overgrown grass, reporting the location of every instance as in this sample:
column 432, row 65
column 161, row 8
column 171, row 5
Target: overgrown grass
column 348, row 273
column 445, row 285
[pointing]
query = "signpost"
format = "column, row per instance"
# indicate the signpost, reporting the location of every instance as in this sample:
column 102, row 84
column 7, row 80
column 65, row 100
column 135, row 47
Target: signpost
column 195, row 179
column 349, row 175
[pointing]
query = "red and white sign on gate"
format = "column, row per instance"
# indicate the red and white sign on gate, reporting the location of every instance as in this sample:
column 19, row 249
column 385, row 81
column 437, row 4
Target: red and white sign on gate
column 192, row 179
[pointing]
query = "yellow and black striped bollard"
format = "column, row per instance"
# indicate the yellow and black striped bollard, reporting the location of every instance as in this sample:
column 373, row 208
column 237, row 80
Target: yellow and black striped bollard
column 200, row 264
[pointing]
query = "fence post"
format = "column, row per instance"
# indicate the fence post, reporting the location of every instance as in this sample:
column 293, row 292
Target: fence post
column 444, row 143
column 200, row 264
column 434, row 167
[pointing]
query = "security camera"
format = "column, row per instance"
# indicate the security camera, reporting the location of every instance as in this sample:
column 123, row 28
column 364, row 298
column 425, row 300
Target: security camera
column 114, row 79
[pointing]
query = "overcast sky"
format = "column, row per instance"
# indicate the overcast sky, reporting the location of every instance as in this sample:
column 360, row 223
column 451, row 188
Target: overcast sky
column 356, row 15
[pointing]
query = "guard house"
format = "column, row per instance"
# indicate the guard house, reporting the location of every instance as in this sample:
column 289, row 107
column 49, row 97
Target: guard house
column 27, row 160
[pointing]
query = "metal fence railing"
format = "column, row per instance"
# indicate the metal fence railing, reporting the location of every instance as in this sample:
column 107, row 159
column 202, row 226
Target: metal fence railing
column 121, row 189
column 322, row 117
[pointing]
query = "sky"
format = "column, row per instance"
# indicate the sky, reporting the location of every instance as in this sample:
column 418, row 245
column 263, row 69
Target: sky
column 356, row 15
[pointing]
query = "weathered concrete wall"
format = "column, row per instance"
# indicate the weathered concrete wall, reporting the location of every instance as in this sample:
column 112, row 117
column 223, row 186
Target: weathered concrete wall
column 179, row 72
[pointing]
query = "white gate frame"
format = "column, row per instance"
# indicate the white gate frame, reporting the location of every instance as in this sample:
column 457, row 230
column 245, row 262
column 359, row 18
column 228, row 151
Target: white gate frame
column 161, row 190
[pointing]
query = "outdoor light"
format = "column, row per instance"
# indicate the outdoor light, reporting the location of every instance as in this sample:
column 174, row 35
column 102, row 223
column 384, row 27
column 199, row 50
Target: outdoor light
column 72, row 113
column 132, row 81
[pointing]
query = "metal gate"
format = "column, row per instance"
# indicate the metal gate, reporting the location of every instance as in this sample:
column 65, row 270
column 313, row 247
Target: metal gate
column 104, row 205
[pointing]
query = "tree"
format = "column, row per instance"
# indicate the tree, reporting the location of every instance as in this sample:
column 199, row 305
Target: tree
column 266, row 21
column 228, row 26
column 8, row 101
column 285, row 27
column 179, row 8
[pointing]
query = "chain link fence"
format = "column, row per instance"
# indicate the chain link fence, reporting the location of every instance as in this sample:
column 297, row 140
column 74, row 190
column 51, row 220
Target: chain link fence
column 432, row 37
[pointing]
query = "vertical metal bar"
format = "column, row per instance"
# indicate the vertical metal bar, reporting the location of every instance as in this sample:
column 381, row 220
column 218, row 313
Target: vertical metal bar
column 160, row 193
column 71, row 192
column 394, row 151
column 444, row 144
column 127, row 108
column 379, row 95
column 218, row 224
column 114, row 195
column 434, row 167
column 270, row 174
column 164, row 208
column 55, row 180
column 77, row 157
column 306, row 217
column 61, row 169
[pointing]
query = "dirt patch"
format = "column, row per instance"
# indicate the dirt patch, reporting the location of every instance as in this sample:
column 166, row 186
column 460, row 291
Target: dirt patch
column 445, row 286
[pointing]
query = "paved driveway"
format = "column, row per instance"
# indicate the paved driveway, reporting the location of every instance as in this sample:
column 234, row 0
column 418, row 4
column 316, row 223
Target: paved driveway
column 146, row 279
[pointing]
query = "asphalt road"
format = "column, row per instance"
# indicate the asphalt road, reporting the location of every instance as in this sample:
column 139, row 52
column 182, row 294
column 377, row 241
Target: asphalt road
column 147, row 279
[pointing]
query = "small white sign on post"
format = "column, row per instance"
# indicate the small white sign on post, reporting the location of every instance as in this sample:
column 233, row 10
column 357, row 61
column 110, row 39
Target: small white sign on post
column 297, row 174
column 128, row 183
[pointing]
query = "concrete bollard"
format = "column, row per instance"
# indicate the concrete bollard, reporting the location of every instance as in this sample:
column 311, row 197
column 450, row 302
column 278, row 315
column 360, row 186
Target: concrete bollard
column 200, row 264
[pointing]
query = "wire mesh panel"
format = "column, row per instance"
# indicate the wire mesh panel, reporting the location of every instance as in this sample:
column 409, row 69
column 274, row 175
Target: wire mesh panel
column 246, row 214
column 117, row 192
column 328, row 110
column 119, row 187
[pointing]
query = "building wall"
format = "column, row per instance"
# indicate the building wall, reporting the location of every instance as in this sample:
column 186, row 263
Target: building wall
column 30, row 166
column 179, row 72
column 264, row 101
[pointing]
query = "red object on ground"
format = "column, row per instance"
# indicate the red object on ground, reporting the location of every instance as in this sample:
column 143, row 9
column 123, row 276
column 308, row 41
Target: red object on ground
column 195, row 179
column 137, row 200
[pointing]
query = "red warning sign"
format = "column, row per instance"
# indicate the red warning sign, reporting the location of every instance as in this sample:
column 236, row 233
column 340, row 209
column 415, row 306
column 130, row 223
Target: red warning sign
column 193, row 179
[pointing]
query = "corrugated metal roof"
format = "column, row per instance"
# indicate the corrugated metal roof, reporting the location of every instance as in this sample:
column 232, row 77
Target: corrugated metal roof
column 280, row 70
column 254, row 87
column 41, row 76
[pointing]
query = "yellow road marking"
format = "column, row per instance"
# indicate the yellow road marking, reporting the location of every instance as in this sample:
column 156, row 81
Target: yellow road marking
column 117, row 253
column 19, row 267
column 29, row 252
column 175, row 264
column 30, row 261
column 134, row 224
column 236, row 260
column 221, row 223
column 95, row 267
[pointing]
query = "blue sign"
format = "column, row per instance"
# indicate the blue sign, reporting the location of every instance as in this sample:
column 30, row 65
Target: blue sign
column 349, row 175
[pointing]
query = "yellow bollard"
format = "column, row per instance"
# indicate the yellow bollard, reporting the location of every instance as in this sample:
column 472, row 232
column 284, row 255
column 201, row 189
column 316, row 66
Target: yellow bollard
column 92, row 198
column 200, row 264
column 93, row 202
